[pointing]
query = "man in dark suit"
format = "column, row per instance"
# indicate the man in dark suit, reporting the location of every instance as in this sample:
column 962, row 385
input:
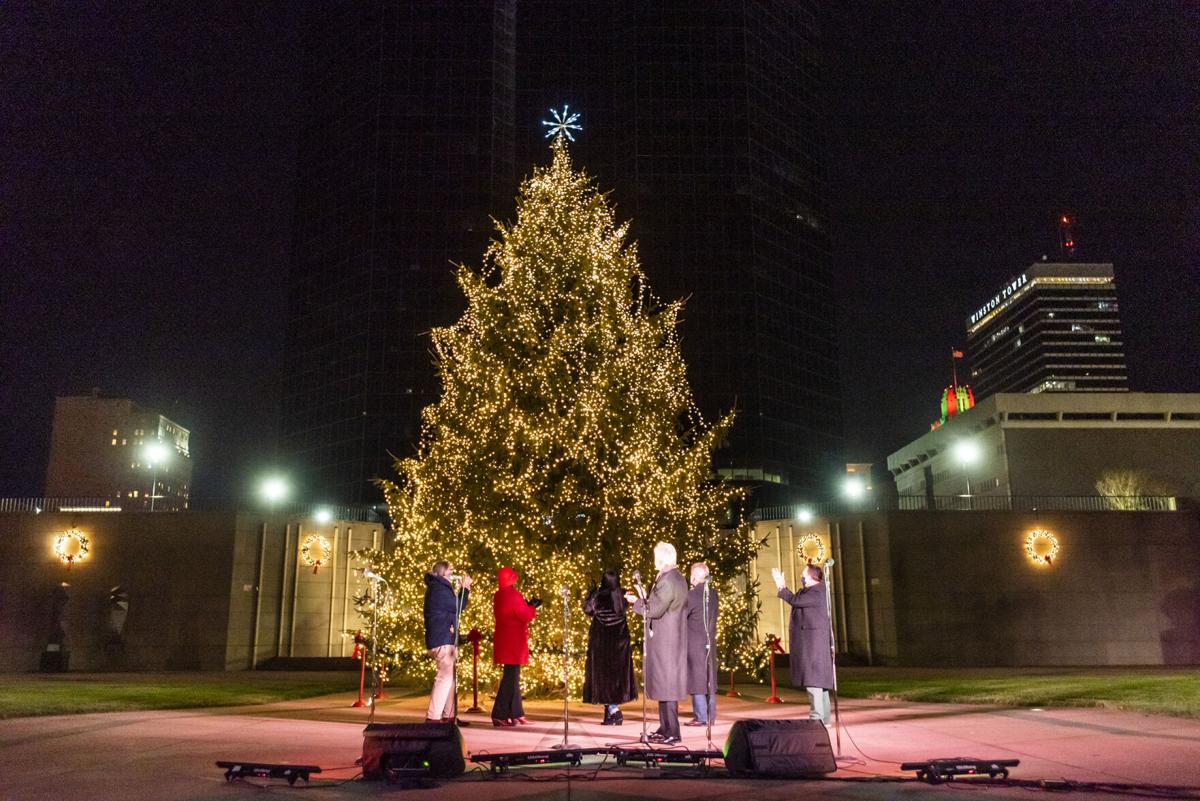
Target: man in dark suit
column 702, row 646
column 810, row 638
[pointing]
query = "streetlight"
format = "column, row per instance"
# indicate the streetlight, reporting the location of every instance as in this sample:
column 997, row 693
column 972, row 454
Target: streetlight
column 804, row 516
column 323, row 516
column 854, row 488
column 155, row 453
column 274, row 489
column 966, row 452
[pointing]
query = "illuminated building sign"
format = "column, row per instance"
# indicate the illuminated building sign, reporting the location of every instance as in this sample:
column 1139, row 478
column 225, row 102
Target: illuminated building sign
column 1000, row 297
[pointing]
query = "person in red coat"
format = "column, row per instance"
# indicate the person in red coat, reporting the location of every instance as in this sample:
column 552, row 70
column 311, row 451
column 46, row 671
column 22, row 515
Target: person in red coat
column 511, row 645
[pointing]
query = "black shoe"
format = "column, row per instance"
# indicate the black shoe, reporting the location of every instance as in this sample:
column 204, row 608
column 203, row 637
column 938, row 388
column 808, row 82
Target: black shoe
column 618, row 719
column 662, row 739
column 607, row 718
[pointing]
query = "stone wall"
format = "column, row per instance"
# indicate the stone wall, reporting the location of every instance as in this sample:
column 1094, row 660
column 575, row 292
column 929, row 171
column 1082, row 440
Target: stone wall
column 957, row 588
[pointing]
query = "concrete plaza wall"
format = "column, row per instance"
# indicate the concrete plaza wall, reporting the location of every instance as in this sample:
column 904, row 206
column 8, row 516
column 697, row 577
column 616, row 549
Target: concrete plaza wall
column 957, row 588
column 207, row 590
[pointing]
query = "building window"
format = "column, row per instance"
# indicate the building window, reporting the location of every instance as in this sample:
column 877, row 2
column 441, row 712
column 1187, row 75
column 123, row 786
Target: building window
column 114, row 442
column 1103, row 338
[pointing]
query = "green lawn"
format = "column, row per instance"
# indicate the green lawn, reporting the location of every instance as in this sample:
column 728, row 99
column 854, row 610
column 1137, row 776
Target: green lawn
column 1158, row 691
column 26, row 695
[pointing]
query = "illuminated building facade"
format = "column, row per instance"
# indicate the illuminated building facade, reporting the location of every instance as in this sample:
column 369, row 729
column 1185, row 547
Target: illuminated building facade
column 1054, row 328
column 98, row 452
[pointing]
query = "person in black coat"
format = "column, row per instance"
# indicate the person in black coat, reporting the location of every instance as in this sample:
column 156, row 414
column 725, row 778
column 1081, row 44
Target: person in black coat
column 810, row 638
column 442, row 608
column 608, row 670
column 702, row 647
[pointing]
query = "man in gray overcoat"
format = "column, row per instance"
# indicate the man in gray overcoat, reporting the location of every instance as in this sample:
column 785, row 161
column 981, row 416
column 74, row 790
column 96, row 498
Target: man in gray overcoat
column 811, row 651
column 665, row 611
column 702, row 646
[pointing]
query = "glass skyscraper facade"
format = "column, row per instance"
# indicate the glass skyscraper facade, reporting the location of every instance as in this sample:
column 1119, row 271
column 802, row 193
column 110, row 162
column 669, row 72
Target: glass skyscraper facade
column 704, row 120
column 1054, row 328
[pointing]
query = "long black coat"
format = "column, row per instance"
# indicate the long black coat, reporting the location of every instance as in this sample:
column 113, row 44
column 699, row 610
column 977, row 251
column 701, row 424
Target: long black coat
column 697, row 665
column 665, row 610
column 808, row 630
column 608, row 670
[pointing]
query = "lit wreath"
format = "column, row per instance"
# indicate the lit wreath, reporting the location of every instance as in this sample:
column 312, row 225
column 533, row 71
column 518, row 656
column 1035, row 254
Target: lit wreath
column 1050, row 555
column 311, row 542
column 67, row 553
column 804, row 541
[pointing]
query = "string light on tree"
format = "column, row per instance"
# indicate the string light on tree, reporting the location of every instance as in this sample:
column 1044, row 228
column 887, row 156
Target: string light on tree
column 315, row 551
column 565, row 441
column 811, row 554
column 1041, row 547
column 71, row 546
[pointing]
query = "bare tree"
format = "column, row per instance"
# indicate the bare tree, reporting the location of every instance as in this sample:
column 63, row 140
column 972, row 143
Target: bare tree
column 1130, row 490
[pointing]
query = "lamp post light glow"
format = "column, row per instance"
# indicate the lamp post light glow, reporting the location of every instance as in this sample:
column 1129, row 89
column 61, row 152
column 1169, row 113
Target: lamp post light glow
column 323, row 516
column 966, row 452
column 155, row 453
column 853, row 488
column 804, row 516
column 274, row 489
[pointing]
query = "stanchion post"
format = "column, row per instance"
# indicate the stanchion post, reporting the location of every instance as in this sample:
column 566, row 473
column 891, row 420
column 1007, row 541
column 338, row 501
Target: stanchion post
column 733, row 693
column 360, row 653
column 773, row 647
column 473, row 637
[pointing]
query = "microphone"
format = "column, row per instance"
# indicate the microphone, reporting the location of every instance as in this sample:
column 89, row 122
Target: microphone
column 566, row 593
column 368, row 573
column 454, row 577
column 637, row 581
column 829, row 563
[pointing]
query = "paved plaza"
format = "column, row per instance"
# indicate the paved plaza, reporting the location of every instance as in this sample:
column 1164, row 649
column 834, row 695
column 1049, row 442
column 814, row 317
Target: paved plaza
column 169, row 755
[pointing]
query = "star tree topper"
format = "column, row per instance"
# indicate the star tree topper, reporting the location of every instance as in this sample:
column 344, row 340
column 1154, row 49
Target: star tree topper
column 563, row 123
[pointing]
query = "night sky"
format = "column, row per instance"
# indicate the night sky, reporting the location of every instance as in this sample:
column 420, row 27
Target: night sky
column 147, row 177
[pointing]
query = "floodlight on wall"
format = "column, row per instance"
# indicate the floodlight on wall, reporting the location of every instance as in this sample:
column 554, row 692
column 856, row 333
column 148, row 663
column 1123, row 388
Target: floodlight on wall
column 1041, row 547
column 323, row 516
column 804, row 516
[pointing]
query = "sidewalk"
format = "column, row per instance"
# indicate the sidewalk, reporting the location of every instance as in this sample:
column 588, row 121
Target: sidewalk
column 169, row 755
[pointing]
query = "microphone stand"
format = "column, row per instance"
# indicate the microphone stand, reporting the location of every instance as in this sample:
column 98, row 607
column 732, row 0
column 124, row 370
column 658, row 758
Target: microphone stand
column 566, row 595
column 376, row 683
column 710, row 706
column 837, row 719
column 641, row 591
column 458, row 605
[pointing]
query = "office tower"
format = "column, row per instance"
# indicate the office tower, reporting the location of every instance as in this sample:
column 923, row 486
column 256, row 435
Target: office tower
column 1054, row 328
column 706, row 121
column 114, row 453
column 404, row 152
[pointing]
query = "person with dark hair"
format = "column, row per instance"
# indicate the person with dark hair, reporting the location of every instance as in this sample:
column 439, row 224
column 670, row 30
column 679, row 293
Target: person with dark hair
column 810, row 639
column 442, row 608
column 608, row 669
column 511, row 645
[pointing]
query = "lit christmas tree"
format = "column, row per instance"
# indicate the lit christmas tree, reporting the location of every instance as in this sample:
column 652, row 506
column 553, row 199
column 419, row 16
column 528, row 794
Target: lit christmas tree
column 566, row 440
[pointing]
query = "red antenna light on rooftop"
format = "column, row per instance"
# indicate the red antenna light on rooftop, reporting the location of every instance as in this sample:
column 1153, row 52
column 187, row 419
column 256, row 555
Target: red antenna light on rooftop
column 1066, row 239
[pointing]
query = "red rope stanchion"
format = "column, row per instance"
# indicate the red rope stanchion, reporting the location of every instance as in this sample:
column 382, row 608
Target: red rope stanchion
column 773, row 648
column 733, row 693
column 360, row 653
column 473, row 637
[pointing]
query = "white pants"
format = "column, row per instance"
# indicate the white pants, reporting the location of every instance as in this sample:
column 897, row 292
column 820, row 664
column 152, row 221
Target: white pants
column 819, row 700
column 441, row 700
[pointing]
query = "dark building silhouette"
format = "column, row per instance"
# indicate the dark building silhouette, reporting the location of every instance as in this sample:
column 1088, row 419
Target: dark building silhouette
column 405, row 151
column 705, row 120
column 1054, row 328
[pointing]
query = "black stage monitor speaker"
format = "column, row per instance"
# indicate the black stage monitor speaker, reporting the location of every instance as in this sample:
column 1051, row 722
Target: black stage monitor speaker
column 429, row 749
column 779, row 748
